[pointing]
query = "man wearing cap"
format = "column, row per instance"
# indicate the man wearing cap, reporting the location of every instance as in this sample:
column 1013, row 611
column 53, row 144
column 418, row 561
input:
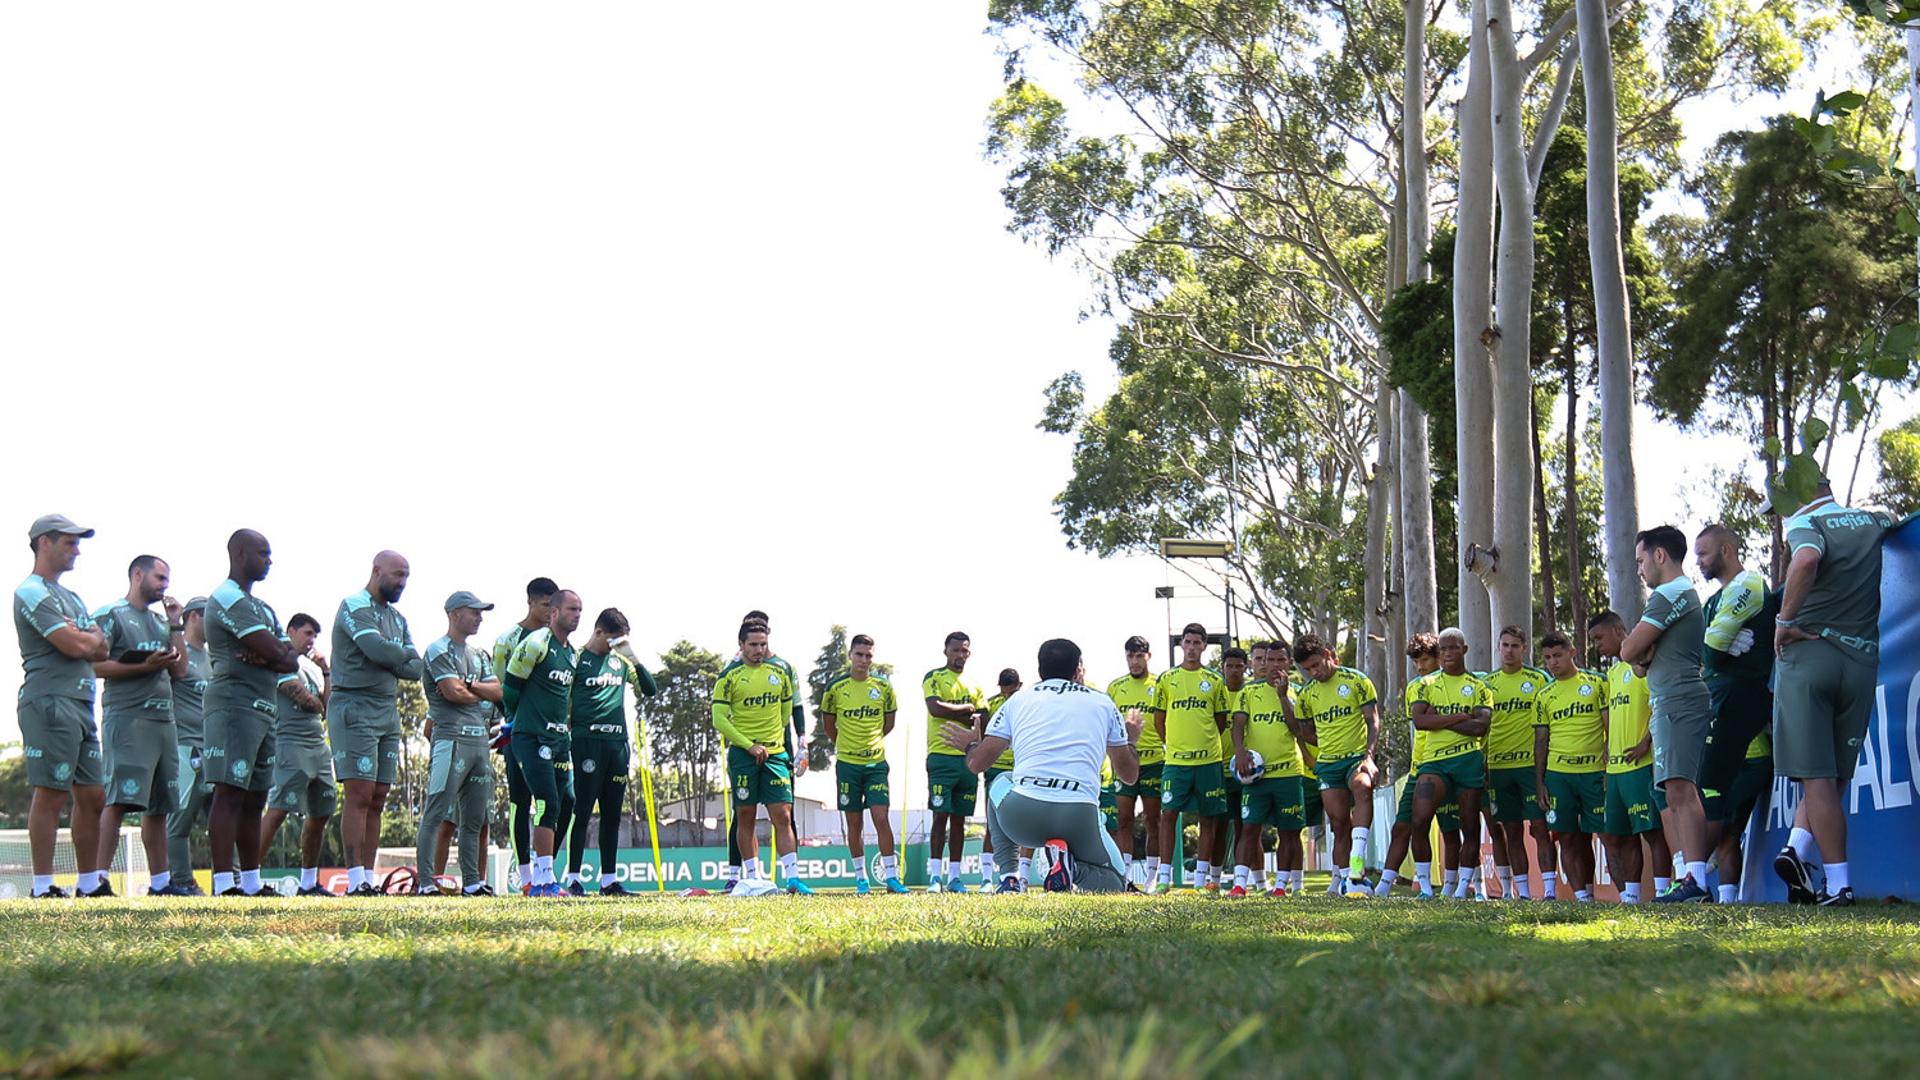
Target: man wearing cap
column 460, row 682
column 1827, row 651
column 372, row 652
column 59, row 643
column 148, row 652
column 189, row 720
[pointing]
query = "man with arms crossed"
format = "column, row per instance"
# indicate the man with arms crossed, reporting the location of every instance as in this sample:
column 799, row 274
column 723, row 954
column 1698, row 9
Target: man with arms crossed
column 952, row 790
column 1059, row 730
column 372, row 652
column 1337, row 712
column 142, row 749
column 1133, row 692
column 1189, row 708
column 302, row 771
column 857, row 712
column 189, row 721
column 1570, row 752
column 1512, row 802
column 1423, row 649
column 460, row 683
column 751, row 704
column 1455, row 710
column 1271, row 794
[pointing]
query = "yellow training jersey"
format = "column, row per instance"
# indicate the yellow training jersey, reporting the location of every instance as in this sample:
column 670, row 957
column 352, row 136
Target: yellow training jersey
column 944, row 684
column 1128, row 692
column 1005, row 760
column 759, row 700
column 1412, row 695
column 1336, row 708
column 859, row 708
column 1452, row 695
column 1573, row 710
column 1510, row 739
column 1267, row 732
column 1192, row 701
column 1629, row 712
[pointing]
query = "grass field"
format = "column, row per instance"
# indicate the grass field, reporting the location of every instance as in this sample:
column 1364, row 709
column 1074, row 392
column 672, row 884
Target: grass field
column 966, row 985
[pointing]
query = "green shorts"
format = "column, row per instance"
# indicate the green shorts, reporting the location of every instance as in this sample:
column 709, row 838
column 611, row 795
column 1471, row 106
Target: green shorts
column 365, row 733
column 1198, row 789
column 1823, row 697
column 239, row 748
column 142, row 763
column 1148, row 786
column 1630, row 810
column 1275, row 801
column 862, row 787
column 952, row 788
column 1310, row 796
column 1333, row 773
column 303, row 781
column 62, row 748
column 1461, row 771
column 597, row 757
column 1511, row 795
column 1680, row 726
column 766, row 784
column 451, row 765
column 1447, row 813
column 1576, row 802
column 1735, row 805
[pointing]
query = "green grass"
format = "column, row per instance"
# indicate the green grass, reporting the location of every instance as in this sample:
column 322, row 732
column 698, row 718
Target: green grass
column 1034, row 985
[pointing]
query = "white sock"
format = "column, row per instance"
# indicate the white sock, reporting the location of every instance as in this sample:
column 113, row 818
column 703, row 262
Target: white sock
column 1213, row 876
column 1166, row 873
column 1466, row 883
column 1698, row 872
column 790, row 866
column 1199, row 872
column 357, row 877
column 543, row 869
column 1024, row 868
column 1387, row 878
column 1837, row 878
column 88, row 881
column 250, row 880
column 606, row 880
column 1423, row 877
column 1153, row 868
column 1358, row 863
column 1240, row 875
column 1802, row 843
column 309, row 877
column 733, row 872
column 1448, row 879
column 1583, row 896
column 1729, row 894
column 1679, row 864
column 1548, row 891
column 1522, row 887
column 41, row 883
column 222, row 882
column 1630, row 893
column 750, row 868
column 159, row 881
column 1505, row 875
column 936, row 869
column 889, row 866
column 1661, row 884
column 987, row 867
column 1339, row 878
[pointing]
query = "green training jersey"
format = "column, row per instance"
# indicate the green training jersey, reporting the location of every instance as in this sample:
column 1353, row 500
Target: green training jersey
column 1740, row 604
column 294, row 726
column 1573, row 710
column 944, row 685
column 1510, row 738
column 757, row 698
column 600, row 694
column 190, row 697
column 39, row 608
column 1267, row 733
column 859, row 708
column 544, row 705
column 232, row 614
column 1453, row 695
column 1337, row 708
column 448, row 660
column 1843, row 603
column 1629, row 715
column 1193, row 700
column 372, row 647
column 149, row 696
column 1675, row 609
column 1128, row 692
column 508, row 641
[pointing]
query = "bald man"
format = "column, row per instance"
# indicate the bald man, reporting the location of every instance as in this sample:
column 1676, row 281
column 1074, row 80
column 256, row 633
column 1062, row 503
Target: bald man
column 372, row 652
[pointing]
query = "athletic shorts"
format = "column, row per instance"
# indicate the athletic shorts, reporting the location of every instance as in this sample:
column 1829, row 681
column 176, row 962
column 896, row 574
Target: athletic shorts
column 303, row 781
column 62, row 748
column 365, row 733
column 188, row 779
column 1742, row 709
column 239, row 748
column 1822, row 701
column 142, row 763
column 1461, row 771
column 1234, row 790
column 451, row 765
column 768, row 785
column 1576, row 802
column 1734, row 805
column 1447, row 813
column 1148, row 786
column 1110, row 807
column 1275, row 801
column 1511, row 795
column 862, row 787
column 952, row 788
column 602, row 759
column 546, row 766
column 1316, row 809
column 1630, row 809
column 1196, row 789
column 1680, row 726
column 1334, row 773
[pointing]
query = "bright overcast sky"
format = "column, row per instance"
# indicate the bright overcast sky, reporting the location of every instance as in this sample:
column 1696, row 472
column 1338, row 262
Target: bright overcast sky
column 690, row 325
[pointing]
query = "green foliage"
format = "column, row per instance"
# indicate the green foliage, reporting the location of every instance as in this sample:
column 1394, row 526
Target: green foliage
column 1898, row 448
column 679, row 723
column 16, row 795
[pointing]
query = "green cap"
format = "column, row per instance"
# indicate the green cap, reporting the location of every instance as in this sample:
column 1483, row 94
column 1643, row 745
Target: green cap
column 198, row 603
column 55, row 523
column 463, row 598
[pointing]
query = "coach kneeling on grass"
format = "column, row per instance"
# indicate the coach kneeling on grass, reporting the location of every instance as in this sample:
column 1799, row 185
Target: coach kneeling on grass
column 1058, row 729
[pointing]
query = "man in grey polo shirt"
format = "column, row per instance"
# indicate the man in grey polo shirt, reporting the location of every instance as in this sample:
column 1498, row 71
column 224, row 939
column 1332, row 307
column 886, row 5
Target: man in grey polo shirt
column 1827, row 653
column 148, row 651
column 460, row 683
column 372, row 652
column 1668, row 640
column 59, row 644
column 189, row 723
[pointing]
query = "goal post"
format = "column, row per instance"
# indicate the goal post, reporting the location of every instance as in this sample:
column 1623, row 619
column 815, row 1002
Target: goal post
column 128, row 875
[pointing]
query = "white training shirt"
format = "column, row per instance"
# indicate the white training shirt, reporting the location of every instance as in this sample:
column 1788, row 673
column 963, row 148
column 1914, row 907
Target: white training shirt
column 1060, row 732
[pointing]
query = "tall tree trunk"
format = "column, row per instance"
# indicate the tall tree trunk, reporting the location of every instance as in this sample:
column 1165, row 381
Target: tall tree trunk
column 1576, row 583
column 1378, row 648
column 1612, row 320
column 1511, row 583
column 1416, row 466
column 1913, row 93
column 1543, row 533
column 1472, row 370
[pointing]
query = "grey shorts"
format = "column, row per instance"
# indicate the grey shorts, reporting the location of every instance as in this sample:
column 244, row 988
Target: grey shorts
column 1681, row 723
column 62, row 749
column 1823, row 698
column 239, row 749
column 143, row 763
column 365, row 733
column 303, row 781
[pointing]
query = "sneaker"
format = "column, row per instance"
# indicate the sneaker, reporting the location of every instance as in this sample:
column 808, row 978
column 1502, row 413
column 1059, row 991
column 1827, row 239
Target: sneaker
column 1426, row 894
column 1278, row 892
column 935, row 887
column 863, row 887
column 1238, row 892
column 526, row 888
column 956, row 886
column 727, row 889
column 1684, row 892
column 894, row 886
column 367, row 888
column 1059, row 867
column 482, row 891
column 1160, row 888
column 175, row 888
column 236, row 891
column 102, row 891
column 1211, row 888
column 313, row 890
column 797, row 887
column 1008, row 884
column 616, row 890
column 1843, row 898
column 1358, row 892
column 1793, row 870
column 575, row 888
column 435, row 891
column 54, row 892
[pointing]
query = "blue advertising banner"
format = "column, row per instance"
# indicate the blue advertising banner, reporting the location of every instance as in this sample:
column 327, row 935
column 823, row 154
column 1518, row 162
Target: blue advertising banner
column 1883, row 822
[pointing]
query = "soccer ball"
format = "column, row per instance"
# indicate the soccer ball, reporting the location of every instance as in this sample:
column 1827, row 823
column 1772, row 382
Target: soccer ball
column 1259, row 766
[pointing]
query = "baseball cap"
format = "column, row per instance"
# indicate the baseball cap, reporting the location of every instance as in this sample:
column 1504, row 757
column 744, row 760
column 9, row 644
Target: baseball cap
column 463, row 598
column 198, row 603
column 55, row 523
column 1766, row 496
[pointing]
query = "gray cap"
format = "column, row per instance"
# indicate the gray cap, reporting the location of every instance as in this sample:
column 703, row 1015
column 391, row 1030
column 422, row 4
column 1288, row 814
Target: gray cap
column 463, row 598
column 55, row 523
column 198, row 603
